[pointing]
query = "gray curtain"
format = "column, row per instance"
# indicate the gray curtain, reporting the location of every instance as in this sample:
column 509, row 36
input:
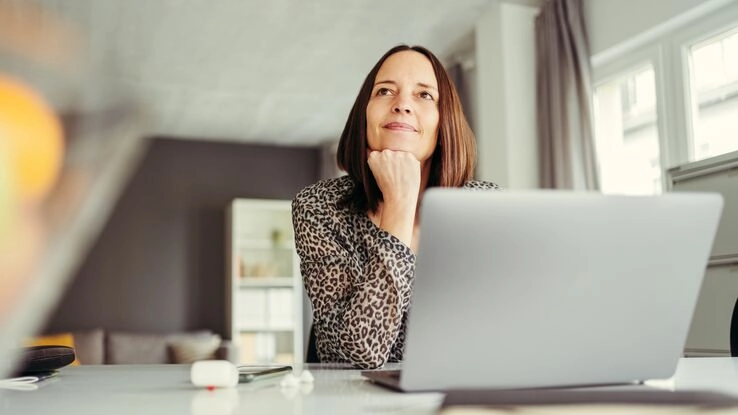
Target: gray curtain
column 456, row 73
column 564, row 98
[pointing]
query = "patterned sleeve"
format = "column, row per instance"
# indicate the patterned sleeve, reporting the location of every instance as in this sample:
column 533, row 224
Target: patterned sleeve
column 357, row 307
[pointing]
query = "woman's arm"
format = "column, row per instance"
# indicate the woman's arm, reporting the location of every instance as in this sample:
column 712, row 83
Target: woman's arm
column 398, row 177
column 358, row 307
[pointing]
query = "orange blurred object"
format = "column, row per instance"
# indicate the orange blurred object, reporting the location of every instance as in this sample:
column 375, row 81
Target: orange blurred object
column 33, row 137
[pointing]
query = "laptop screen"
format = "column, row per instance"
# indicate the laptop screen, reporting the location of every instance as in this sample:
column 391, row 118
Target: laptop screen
column 554, row 288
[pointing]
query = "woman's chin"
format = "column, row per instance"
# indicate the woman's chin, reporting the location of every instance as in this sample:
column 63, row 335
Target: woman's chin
column 397, row 146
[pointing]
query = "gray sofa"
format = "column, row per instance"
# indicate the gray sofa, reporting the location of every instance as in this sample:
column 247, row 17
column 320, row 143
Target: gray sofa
column 98, row 346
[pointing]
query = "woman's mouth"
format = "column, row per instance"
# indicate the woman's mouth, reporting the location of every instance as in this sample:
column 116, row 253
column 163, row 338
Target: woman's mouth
column 399, row 126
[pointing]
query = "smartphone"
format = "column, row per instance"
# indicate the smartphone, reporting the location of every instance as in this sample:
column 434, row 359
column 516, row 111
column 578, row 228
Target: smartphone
column 45, row 375
column 249, row 373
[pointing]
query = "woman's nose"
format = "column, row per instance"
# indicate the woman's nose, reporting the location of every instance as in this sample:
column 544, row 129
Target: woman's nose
column 401, row 107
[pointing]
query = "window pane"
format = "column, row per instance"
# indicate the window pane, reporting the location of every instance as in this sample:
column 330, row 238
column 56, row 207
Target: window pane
column 626, row 134
column 714, row 77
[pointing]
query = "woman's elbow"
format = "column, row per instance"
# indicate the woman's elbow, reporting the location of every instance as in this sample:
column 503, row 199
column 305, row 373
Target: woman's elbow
column 368, row 358
column 370, row 363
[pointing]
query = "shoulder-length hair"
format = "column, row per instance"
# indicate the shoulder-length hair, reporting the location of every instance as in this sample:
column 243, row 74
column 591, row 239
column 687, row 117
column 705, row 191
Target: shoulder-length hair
column 453, row 160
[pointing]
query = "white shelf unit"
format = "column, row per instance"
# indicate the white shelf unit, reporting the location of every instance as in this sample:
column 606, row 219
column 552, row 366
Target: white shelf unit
column 264, row 285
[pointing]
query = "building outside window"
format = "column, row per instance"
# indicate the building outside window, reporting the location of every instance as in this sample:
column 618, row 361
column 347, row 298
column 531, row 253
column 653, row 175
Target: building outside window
column 671, row 101
column 714, row 93
column 626, row 133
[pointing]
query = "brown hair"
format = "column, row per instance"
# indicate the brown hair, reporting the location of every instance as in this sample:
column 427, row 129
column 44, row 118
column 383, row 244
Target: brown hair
column 453, row 160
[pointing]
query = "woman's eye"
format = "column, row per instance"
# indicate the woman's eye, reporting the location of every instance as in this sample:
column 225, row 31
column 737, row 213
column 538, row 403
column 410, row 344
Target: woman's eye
column 384, row 91
column 426, row 95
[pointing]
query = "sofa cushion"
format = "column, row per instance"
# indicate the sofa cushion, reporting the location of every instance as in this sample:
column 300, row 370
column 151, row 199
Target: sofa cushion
column 89, row 345
column 144, row 348
column 193, row 349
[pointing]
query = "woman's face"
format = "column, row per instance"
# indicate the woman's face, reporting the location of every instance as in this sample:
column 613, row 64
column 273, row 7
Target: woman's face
column 402, row 113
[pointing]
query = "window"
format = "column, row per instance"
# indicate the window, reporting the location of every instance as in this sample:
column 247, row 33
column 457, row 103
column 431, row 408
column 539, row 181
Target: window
column 666, row 98
column 626, row 133
column 714, row 95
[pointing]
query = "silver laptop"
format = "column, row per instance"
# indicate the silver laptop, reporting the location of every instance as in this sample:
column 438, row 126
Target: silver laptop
column 553, row 288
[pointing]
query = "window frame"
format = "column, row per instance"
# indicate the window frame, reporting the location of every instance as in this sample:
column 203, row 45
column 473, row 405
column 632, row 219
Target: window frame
column 650, row 55
column 669, row 55
column 699, row 31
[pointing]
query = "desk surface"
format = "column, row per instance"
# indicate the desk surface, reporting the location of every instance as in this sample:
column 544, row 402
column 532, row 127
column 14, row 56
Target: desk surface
column 165, row 389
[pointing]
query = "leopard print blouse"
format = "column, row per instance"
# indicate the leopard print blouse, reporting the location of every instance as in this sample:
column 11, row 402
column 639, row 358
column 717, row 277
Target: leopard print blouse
column 358, row 276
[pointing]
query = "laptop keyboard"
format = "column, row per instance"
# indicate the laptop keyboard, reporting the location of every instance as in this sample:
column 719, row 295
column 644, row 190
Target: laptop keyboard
column 391, row 374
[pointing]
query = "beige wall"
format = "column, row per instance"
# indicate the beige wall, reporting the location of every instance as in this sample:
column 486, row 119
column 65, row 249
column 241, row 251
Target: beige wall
column 505, row 95
column 617, row 25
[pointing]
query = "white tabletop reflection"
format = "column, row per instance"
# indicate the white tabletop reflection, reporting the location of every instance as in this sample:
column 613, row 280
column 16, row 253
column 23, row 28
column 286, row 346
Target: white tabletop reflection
column 166, row 389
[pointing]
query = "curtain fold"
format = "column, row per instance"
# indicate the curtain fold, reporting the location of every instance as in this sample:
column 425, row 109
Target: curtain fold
column 564, row 98
column 456, row 73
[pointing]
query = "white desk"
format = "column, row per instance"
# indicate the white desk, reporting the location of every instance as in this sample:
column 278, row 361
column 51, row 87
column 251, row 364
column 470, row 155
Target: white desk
column 165, row 389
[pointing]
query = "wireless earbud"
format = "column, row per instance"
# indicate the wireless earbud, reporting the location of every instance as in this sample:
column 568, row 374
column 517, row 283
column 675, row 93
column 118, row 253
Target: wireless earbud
column 214, row 374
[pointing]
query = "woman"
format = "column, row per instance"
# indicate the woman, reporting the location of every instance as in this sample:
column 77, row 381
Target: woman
column 357, row 235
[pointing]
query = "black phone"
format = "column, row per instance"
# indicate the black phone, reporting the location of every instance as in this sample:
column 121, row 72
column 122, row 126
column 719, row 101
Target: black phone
column 44, row 359
column 251, row 373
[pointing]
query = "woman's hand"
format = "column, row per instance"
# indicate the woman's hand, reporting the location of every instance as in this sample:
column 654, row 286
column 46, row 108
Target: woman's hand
column 398, row 176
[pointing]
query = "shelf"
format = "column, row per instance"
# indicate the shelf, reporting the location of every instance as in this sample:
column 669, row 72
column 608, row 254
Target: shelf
column 265, row 314
column 259, row 243
column 266, row 282
column 254, row 247
column 261, row 329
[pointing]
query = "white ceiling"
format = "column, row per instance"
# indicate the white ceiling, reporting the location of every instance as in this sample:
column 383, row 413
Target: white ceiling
column 277, row 71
